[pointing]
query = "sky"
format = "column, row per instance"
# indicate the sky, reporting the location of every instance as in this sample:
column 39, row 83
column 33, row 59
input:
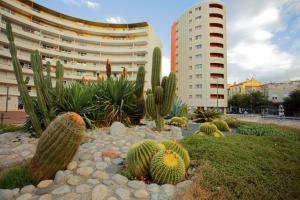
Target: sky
column 263, row 36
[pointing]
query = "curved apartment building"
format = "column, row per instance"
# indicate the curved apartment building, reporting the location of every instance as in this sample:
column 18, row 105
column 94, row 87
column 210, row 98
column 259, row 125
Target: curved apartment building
column 82, row 46
column 199, row 55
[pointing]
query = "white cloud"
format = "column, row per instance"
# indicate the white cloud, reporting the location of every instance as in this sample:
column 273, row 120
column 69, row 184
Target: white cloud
column 86, row 3
column 115, row 20
column 166, row 66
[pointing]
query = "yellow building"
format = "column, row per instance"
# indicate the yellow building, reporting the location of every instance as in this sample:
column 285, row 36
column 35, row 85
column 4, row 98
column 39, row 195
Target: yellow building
column 241, row 88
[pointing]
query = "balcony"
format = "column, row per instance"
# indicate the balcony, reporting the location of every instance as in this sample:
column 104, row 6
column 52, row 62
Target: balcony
column 215, row 5
column 215, row 15
column 216, row 35
column 216, row 25
column 217, row 45
column 216, row 55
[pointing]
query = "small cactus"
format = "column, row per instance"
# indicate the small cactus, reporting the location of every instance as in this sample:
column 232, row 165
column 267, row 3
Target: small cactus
column 179, row 121
column 221, row 125
column 167, row 167
column 179, row 149
column 57, row 146
column 139, row 157
column 208, row 128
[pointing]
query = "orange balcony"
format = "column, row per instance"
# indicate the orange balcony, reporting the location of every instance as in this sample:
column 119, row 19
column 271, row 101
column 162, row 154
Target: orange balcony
column 216, row 55
column 216, row 75
column 215, row 44
column 215, row 5
column 216, row 15
column 218, row 35
column 216, row 25
column 217, row 96
column 216, row 65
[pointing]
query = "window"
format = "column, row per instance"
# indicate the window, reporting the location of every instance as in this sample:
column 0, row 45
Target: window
column 198, row 96
column 190, row 12
column 190, row 96
column 191, row 39
column 190, row 67
column 190, row 48
column 197, row 18
column 29, row 89
column 198, row 27
column 198, row 46
column 198, row 66
column 198, row 56
column 198, row 37
column 190, row 21
column 190, row 58
column 190, row 30
column 221, row 86
column 65, row 50
column 82, row 53
column 79, row 72
column 190, row 86
column 198, row 9
column 190, row 76
column 198, row 86
column 198, row 76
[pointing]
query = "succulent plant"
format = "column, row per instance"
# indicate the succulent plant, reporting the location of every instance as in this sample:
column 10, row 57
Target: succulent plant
column 108, row 69
column 221, row 125
column 139, row 157
column 167, row 167
column 57, row 146
column 179, row 149
column 208, row 128
column 179, row 121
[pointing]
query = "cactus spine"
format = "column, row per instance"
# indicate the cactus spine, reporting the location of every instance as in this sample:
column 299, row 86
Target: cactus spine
column 28, row 104
column 57, row 146
column 159, row 101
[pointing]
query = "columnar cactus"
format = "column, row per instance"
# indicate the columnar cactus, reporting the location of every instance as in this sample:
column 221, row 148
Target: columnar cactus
column 139, row 157
column 57, row 146
column 108, row 69
column 139, row 110
column 28, row 104
column 59, row 80
column 160, row 99
column 179, row 149
column 167, row 167
column 124, row 73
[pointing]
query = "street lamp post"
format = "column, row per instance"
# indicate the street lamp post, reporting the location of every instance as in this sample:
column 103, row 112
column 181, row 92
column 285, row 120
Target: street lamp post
column 6, row 104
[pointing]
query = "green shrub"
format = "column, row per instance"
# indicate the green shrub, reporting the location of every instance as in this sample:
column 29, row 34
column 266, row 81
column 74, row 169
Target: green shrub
column 4, row 128
column 209, row 115
column 265, row 130
column 15, row 177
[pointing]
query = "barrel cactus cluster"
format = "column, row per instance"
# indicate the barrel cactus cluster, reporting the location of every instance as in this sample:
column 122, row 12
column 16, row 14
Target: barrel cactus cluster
column 164, row 163
column 57, row 146
column 209, row 129
column 42, row 83
column 179, row 121
column 221, row 125
column 160, row 98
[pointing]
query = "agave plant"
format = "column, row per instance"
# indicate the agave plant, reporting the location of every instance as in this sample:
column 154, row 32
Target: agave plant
column 209, row 115
column 179, row 109
column 115, row 98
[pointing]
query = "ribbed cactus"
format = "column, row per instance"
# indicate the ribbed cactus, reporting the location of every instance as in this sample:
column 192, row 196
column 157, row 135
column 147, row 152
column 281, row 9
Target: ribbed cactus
column 208, row 128
column 108, row 69
column 178, row 121
column 57, row 146
column 138, row 112
column 179, row 149
column 139, row 157
column 167, row 167
column 221, row 125
column 28, row 104
column 59, row 80
column 159, row 101
column 124, row 73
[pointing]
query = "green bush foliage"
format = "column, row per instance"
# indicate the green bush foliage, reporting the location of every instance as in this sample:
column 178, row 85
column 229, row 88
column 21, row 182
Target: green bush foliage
column 10, row 128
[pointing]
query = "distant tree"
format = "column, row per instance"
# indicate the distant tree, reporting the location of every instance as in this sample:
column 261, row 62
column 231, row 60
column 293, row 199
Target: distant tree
column 291, row 104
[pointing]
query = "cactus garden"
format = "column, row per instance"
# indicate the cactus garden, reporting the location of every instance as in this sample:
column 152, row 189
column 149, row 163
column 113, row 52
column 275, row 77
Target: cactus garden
column 116, row 139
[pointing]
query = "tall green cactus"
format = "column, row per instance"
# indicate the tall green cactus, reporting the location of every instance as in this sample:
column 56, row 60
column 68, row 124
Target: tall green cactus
column 138, row 112
column 28, row 104
column 57, row 146
column 108, row 69
column 59, row 79
column 159, row 100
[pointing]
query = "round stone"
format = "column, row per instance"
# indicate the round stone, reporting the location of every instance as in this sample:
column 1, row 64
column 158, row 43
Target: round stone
column 84, row 188
column 117, row 161
column 71, row 196
column 46, row 197
column 86, row 163
column 141, row 194
column 117, row 128
column 73, row 180
column 45, row 183
column 6, row 194
column 72, row 165
column 85, row 171
column 119, row 179
column 168, row 189
column 100, row 175
column 85, row 156
column 92, row 181
column 15, row 191
column 122, row 193
column 101, row 165
column 153, row 187
column 183, row 184
column 111, row 198
column 99, row 192
column 62, row 190
column 136, row 184
column 28, row 189
column 110, row 153
column 26, row 196
column 59, row 177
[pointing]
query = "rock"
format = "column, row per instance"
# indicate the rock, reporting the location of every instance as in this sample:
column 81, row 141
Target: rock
column 117, row 128
column 70, row 196
column 101, row 165
column 86, row 163
column 92, row 181
column 26, row 196
column 151, row 136
column 112, row 169
column 28, row 189
column 122, row 193
column 59, row 177
column 154, row 196
column 73, row 180
column 183, row 184
column 111, row 198
column 100, row 175
column 46, row 197
column 141, row 194
column 117, row 161
column 168, row 190
column 84, row 188
column 42, row 191
column 136, row 184
column 72, row 165
column 6, row 194
column 62, row 190
column 153, row 187
column 99, row 192
column 85, row 156
column 85, row 171
column 107, row 182
column 119, row 179
column 176, row 133
column 45, row 183
column 16, row 191
column 111, row 153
